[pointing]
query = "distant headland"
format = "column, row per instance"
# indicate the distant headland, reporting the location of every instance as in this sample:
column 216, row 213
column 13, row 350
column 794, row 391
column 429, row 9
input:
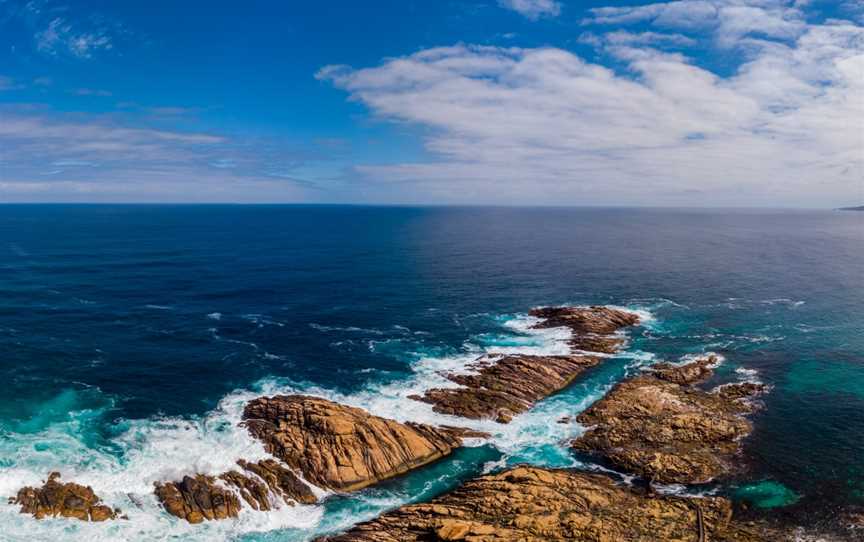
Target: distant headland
column 859, row 208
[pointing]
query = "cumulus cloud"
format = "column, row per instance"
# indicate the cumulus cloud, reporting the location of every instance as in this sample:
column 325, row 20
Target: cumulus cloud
column 533, row 9
column 546, row 126
column 730, row 20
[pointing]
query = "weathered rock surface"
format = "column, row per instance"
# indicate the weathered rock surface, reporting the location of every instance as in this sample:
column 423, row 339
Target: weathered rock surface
column 503, row 386
column 592, row 327
column 529, row 504
column 200, row 497
column 596, row 319
column 499, row 387
column 340, row 447
column 196, row 498
column 661, row 428
column 56, row 499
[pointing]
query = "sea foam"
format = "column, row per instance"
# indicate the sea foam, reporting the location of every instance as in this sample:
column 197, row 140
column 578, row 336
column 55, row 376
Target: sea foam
column 145, row 451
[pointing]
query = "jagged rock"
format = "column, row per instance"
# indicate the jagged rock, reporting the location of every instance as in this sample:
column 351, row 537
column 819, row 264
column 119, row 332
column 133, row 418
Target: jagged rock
column 596, row 343
column 200, row 497
column 341, row 447
column 280, row 482
column 590, row 321
column 67, row 500
column 530, row 504
column 695, row 372
column 503, row 386
column 499, row 387
column 667, row 431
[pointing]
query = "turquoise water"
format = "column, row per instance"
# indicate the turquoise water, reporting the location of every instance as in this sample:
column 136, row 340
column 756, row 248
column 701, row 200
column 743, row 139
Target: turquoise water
column 133, row 335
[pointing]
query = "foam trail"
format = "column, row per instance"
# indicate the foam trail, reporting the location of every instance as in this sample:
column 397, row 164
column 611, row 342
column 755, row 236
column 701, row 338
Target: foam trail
column 158, row 449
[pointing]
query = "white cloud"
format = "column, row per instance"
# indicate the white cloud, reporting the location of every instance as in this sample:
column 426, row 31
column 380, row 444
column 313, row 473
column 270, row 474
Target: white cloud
column 533, row 9
column 60, row 36
column 49, row 156
column 622, row 37
column 91, row 92
column 545, row 126
column 729, row 20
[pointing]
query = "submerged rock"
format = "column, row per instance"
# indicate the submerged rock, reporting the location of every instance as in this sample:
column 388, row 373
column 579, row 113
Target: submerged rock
column 502, row 386
column 340, row 447
column 536, row 504
column 56, row 499
column 660, row 427
column 499, row 387
column 200, row 497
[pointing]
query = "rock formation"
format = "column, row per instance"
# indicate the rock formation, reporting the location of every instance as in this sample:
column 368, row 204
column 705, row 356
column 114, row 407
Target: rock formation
column 56, row 499
column 662, row 428
column 593, row 327
column 340, row 447
column 499, row 387
column 502, row 386
column 200, row 497
column 530, row 504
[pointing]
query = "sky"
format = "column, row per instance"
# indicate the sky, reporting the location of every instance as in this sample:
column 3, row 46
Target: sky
column 505, row 102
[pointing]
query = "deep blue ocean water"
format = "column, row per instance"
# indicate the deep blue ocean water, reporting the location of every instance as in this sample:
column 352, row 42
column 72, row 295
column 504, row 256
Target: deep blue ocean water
column 132, row 335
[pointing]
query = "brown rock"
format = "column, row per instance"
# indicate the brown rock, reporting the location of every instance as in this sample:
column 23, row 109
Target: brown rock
column 530, row 504
column 698, row 371
column 595, row 320
column 661, row 430
column 503, row 386
column 207, row 497
column 69, row 500
column 500, row 387
column 340, row 447
column 198, row 498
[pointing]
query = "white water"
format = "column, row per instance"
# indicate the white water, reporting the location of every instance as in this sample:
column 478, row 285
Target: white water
column 159, row 449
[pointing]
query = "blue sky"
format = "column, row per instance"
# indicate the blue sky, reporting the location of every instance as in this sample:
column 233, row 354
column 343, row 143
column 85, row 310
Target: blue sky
column 689, row 102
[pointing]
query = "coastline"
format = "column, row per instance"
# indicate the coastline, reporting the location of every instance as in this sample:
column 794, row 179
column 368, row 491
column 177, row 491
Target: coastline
column 569, row 339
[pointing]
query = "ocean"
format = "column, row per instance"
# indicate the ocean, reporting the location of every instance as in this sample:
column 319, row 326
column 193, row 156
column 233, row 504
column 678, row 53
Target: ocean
column 132, row 335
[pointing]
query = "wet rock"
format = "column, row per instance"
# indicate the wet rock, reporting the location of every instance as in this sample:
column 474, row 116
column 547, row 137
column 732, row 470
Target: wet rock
column 498, row 387
column 597, row 320
column 196, row 498
column 593, row 328
column 502, row 386
column 279, row 481
column 661, row 428
column 535, row 504
column 695, row 372
column 340, row 447
column 200, row 497
column 56, row 499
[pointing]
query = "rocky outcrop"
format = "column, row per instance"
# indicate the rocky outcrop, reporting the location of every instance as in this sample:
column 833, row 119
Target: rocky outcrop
column 56, row 499
column 502, row 386
column 530, row 504
column 593, row 327
column 259, row 485
column 498, row 387
column 196, row 498
column 662, row 428
column 340, row 447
